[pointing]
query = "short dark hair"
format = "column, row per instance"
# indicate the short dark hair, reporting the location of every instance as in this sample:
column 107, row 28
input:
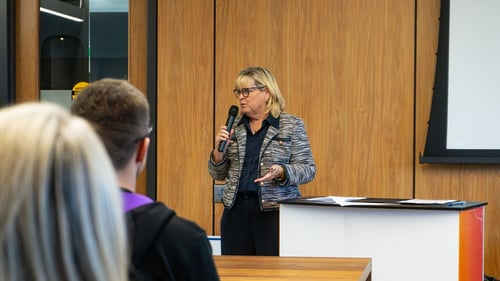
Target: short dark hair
column 119, row 112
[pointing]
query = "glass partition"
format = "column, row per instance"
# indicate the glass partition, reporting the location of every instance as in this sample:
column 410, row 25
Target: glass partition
column 81, row 41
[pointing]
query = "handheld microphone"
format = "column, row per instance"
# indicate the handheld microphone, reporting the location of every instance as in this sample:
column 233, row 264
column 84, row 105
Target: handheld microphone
column 233, row 111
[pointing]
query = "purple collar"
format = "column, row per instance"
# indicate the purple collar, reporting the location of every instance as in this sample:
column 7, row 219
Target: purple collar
column 133, row 200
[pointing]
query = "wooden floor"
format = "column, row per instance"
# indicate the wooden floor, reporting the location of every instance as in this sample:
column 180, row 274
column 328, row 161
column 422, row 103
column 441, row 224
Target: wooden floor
column 250, row 268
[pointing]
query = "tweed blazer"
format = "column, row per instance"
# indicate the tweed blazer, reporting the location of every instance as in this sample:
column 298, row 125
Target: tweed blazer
column 287, row 146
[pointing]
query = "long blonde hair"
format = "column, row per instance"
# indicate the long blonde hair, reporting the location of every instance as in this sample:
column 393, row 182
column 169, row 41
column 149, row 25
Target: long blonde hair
column 60, row 206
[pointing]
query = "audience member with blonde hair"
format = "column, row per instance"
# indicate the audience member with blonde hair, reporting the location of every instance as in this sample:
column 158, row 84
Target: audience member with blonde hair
column 60, row 208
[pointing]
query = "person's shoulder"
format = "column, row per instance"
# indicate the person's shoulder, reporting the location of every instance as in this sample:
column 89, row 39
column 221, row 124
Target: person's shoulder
column 181, row 236
column 147, row 221
column 289, row 118
column 152, row 209
column 286, row 115
column 176, row 223
column 183, row 226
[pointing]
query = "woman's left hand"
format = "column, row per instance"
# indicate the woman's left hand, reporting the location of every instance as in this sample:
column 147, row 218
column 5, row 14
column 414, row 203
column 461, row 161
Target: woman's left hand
column 276, row 171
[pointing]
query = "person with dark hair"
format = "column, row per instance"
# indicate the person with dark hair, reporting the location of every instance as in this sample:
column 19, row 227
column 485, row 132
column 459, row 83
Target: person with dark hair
column 266, row 157
column 164, row 245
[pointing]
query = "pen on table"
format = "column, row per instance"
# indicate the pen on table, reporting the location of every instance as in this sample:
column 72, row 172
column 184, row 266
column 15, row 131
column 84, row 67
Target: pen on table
column 456, row 203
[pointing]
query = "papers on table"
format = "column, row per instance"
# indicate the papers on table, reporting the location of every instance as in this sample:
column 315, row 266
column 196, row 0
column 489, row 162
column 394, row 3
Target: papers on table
column 426, row 202
column 432, row 202
column 340, row 200
column 364, row 201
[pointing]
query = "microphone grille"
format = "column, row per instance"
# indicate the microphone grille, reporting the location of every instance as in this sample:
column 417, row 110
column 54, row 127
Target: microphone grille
column 233, row 110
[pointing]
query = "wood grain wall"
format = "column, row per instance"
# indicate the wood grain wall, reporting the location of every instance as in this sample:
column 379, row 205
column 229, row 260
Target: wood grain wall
column 185, row 107
column 27, row 50
column 346, row 68
column 359, row 72
column 137, row 57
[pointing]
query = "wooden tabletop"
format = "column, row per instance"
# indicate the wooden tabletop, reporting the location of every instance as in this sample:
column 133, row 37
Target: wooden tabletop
column 264, row 268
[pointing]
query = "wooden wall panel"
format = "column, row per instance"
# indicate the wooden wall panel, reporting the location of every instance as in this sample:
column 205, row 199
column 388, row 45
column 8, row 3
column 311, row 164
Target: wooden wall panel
column 468, row 182
column 27, row 50
column 346, row 68
column 137, row 58
column 185, row 107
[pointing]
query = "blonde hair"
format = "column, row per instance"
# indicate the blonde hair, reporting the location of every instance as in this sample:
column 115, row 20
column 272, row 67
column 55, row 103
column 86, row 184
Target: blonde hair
column 60, row 207
column 264, row 78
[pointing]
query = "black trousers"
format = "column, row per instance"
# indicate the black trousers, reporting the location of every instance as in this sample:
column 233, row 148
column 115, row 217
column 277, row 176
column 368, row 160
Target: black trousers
column 246, row 230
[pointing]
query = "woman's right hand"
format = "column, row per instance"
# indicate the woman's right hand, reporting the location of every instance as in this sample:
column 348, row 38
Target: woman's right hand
column 222, row 136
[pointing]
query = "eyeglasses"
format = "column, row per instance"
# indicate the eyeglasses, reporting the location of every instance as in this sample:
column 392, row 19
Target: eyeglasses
column 246, row 91
column 144, row 136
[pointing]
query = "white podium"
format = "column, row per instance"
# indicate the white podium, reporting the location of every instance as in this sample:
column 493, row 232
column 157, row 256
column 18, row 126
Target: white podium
column 405, row 242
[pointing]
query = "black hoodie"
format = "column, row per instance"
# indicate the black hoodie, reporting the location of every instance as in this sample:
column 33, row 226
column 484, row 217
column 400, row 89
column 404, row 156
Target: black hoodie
column 168, row 247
